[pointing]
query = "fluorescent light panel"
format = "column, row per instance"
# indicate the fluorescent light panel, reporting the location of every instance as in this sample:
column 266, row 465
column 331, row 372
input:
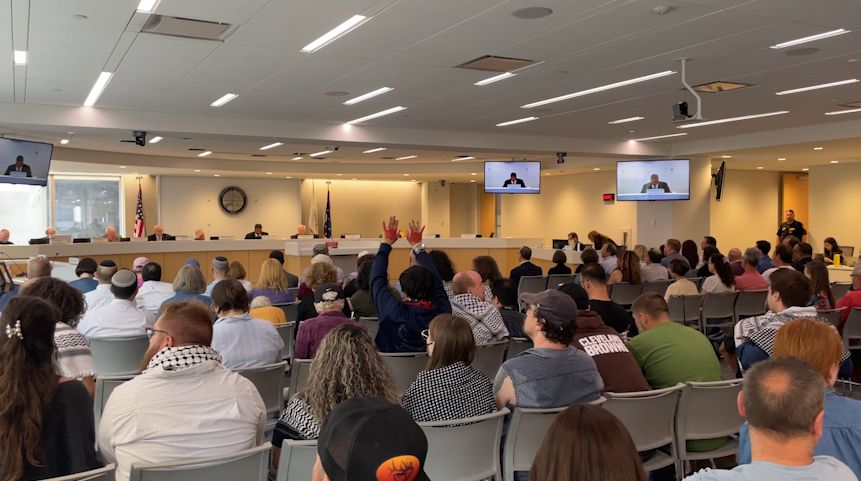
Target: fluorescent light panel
column 272, row 145
column 296, row 158
column 407, row 157
column 372, row 94
column 64, row 141
column 456, row 159
column 98, row 88
column 205, row 153
column 155, row 139
column 495, row 78
column 817, row 87
column 660, row 137
column 371, row 151
column 841, row 112
column 517, row 121
column 20, row 57
column 223, row 100
column 629, row 119
column 812, row 38
column 376, row 115
column 335, row 33
column 322, row 152
column 147, row 6
column 599, row 89
column 733, row 119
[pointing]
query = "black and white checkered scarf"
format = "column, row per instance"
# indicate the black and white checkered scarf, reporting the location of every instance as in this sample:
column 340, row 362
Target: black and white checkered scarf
column 182, row 357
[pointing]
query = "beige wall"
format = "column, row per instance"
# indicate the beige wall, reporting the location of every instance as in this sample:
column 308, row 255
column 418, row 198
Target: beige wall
column 464, row 209
column 486, row 213
column 748, row 209
column 835, row 193
column 358, row 207
column 436, row 208
column 130, row 201
column 795, row 195
column 189, row 203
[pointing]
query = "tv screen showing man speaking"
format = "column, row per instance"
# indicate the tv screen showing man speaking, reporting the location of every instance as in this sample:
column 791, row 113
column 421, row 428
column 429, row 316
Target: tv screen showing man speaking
column 512, row 177
column 653, row 180
column 24, row 162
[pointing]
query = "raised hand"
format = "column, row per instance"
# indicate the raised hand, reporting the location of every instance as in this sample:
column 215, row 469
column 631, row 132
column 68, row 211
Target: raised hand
column 390, row 231
column 414, row 236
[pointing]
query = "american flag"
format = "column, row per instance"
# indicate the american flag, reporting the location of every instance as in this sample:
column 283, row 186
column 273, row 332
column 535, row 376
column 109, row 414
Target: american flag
column 139, row 215
column 327, row 225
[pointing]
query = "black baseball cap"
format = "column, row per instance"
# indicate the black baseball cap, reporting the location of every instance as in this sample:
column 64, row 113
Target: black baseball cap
column 552, row 305
column 370, row 439
column 328, row 292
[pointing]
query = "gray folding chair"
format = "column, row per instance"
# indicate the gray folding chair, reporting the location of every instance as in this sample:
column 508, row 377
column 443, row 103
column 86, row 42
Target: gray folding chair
column 294, row 290
column 525, row 433
column 676, row 307
column 530, row 284
column 300, row 371
column 654, row 430
column 288, row 334
column 105, row 385
column 699, row 282
column 718, row 310
column 248, row 465
column 488, row 358
column 516, row 345
column 624, row 293
column 101, row 474
column 832, row 315
column 750, row 304
column 405, row 367
column 839, row 289
column 852, row 330
column 297, row 459
column 464, row 449
column 118, row 355
column 291, row 310
column 373, row 325
column 656, row 287
column 269, row 381
column 708, row 410
column 556, row 280
column 686, row 309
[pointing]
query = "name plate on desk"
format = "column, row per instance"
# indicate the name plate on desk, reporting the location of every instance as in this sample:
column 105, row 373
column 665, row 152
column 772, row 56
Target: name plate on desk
column 305, row 236
column 352, row 236
column 332, row 244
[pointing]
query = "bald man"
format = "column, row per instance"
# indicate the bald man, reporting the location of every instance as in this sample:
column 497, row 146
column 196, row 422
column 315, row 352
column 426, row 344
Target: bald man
column 36, row 268
column 4, row 236
column 469, row 303
column 111, row 234
column 159, row 235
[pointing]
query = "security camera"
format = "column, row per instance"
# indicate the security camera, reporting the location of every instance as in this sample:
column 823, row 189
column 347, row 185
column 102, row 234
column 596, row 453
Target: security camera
column 560, row 157
column 335, row 148
column 140, row 137
column 442, row 183
column 680, row 112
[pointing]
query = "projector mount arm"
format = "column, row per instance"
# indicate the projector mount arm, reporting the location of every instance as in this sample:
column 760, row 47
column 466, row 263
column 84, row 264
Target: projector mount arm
column 699, row 114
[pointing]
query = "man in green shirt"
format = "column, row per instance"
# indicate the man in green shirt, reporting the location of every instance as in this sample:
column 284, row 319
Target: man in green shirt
column 670, row 353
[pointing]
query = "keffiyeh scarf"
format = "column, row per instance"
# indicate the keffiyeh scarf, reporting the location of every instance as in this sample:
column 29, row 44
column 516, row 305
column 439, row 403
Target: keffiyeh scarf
column 182, row 357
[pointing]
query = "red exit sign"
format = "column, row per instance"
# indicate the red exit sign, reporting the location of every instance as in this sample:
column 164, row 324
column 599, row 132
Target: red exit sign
column 609, row 197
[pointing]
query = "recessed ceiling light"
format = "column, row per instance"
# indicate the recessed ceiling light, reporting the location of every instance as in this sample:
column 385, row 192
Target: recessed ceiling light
column 268, row 173
column 363, row 97
column 205, row 153
column 472, row 181
column 464, row 157
column 406, row 175
column 64, row 141
column 407, row 157
column 20, row 57
column 354, row 178
column 781, row 159
column 296, row 158
column 811, row 38
column 155, row 140
column 378, row 114
column 631, row 131
column 216, row 175
column 628, row 119
column 596, row 168
column 835, row 161
column 725, row 156
column 495, row 78
column 599, row 89
column 223, row 100
column 660, row 137
column 473, row 173
column 147, row 6
column 413, row 180
column 371, row 151
column 733, row 119
column 531, row 13
column 339, row 175
column 335, row 33
column 760, row 168
column 288, row 177
column 805, row 169
column 322, row 152
column 123, row 167
column 197, row 170
column 516, row 121
column 841, row 112
column 817, row 87
column 98, row 88
column 272, row 145
column 818, row 148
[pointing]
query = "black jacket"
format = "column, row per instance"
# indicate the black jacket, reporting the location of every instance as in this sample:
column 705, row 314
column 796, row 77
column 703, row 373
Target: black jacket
column 525, row 269
column 252, row 235
column 164, row 237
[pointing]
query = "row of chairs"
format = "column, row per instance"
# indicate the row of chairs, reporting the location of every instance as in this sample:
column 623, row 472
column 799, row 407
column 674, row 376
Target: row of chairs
column 720, row 310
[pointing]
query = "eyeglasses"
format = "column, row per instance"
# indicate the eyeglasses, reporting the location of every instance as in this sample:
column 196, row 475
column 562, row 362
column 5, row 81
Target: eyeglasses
column 426, row 336
column 151, row 332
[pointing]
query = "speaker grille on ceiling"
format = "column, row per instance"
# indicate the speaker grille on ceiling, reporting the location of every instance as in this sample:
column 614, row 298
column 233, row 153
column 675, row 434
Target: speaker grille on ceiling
column 493, row 63
column 187, row 27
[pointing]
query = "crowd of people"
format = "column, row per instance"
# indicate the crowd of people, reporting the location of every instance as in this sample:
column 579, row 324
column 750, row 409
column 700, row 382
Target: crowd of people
column 188, row 402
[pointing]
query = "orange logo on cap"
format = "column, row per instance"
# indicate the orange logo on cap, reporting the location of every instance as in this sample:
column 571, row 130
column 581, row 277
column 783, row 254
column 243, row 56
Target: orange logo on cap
column 399, row 468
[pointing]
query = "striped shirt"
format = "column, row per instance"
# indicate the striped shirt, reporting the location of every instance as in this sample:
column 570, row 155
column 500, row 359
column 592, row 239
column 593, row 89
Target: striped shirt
column 455, row 391
column 73, row 352
column 484, row 318
column 244, row 342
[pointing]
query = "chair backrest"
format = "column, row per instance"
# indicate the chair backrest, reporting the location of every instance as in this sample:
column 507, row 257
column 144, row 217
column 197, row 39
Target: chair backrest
column 676, row 306
column 698, row 281
column 300, row 370
column 525, row 433
column 248, row 465
column 288, row 334
column 488, row 358
column 556, row 280
column 373, row 325
column 852, row 328
column 294, row 290
column 751, row 303
column 832, row 315
column 719, row 307
column 118, row 355
column 464, row 449
column 656, row 287
column 297, row 460
column 625, row 293
column 649, row 416
column 839, row 289
column 531, row 284
column 105, row 385
column 516, row 345
column 707, row 410
column 291, row 311
column 405, row 367
column 693, row 304
column 269, row 381
column 101, row 474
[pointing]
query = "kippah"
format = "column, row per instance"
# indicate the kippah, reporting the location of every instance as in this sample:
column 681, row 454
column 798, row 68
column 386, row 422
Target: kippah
column 108, row 263
column 124, row 278
column 220, row 263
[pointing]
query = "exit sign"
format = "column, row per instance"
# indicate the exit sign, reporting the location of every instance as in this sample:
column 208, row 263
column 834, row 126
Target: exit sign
column 609, row 197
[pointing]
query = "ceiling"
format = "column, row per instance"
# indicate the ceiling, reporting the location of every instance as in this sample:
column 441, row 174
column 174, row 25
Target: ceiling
column 167, row 83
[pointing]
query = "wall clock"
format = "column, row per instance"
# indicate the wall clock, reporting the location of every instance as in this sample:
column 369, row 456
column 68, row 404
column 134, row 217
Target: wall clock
column 232, row 199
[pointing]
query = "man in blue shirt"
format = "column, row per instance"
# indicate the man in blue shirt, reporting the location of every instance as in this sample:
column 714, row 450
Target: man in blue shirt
column 765, row 262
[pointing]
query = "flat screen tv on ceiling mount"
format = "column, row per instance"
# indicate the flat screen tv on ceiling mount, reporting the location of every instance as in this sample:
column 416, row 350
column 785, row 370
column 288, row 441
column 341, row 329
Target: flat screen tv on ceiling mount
column 24, row 162
column 653, row 180
column 512, row 177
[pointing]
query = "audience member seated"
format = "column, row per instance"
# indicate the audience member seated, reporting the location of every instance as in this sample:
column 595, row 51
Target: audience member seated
column 315, row 276
column 488, row 269
column 36, row 268
column 765, row 260
column 101, row 295
column 73, row 352
column 852, row 298
column 736, row 261
column 552, row 373
column 653, row 270
column 292, row 279
column 782, row 259
column 329, row 303
column 525, row 266
column 370, row 438
column 450, row 388
column 468, row 303
column 721, row 278
column 137, row 267
column 152, row 294
column 690, row 252
column 444, row 267
column 219, row 268
column 272, row 283
column 817, row 273
column 86, row 272
column 672, row 250
column 627, row 270
column 352, row 285
column 361, row 302
column 802, row 254
column 505, row 299
column 189, row 285
column 120, row 317
column 829, row 248
column 783, row 402
column 609, row 259
column 751, row 279
column 819, row 346
column 241, row 340
column 594, row 280
column 588, row 256
column 708, row 241
column 237, row 272
column 587, row 442
column 347, row 365
column 681, row 285
column 616, row 364
column 323, row 249
column 403, row 320
column 262, row 308
column 185, row 405
column 46, row 421
column 642, row 252
column 709, row 252
column 559, row 259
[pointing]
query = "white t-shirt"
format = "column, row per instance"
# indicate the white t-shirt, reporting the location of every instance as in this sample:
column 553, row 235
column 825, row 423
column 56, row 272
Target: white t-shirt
column 119, row 318
column 714, row 285
column 824, row 468
column 654, row 272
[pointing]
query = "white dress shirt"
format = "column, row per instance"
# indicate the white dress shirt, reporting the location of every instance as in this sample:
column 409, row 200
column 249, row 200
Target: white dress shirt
column 654, row 272
column 209, row 287
column 244, row 342
column 100, row 296
column 609, row 264
column 768, row 272
column 118, row 318
column 163, row 416
column 152, row 294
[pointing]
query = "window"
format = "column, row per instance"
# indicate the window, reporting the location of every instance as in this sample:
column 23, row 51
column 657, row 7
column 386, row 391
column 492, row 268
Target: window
column 85, row 206
column 23, row 211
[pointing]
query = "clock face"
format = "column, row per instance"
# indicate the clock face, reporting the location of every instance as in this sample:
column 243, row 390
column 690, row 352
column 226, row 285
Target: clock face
column 232, row 199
